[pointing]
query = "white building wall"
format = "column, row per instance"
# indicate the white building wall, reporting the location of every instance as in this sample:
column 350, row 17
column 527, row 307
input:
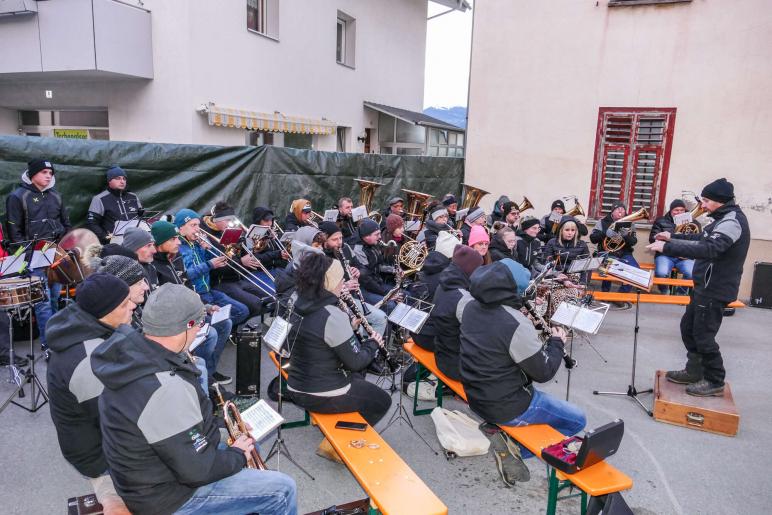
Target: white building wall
column 541, row 70
column 9, row 121
column 202, row 52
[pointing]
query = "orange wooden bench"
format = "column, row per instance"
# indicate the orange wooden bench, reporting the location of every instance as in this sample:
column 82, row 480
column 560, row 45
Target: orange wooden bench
column 666, row 281
column 392, row 485
column 651, row 298
column 600, row 479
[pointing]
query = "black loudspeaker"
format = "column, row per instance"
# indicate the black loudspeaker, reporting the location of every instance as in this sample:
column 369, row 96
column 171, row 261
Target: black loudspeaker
column 761, row 288
column 248, row 357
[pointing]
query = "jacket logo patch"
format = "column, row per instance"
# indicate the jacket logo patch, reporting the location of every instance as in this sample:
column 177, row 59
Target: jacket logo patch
column 35, row 199
column 199, row 442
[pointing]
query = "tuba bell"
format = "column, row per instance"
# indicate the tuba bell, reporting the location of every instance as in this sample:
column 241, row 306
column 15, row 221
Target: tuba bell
column 366, row 195
column 577, row 210
column 416, row 204
column 617, row 242
column 472, row 196
column 692, row 227
column 525, row 204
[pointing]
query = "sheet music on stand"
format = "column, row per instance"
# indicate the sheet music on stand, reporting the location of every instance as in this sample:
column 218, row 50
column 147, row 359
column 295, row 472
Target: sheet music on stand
column 13, row 264
column 411, row 314
column 683, row 218
column 461, row 214
column 331, row 215
column 580, row 317
column 412, row 225
column 359, row 213
column 256, row 232
column 277, row 335
column 263, row 419
column 287, row 237
column 634, row 276
column 585, row 264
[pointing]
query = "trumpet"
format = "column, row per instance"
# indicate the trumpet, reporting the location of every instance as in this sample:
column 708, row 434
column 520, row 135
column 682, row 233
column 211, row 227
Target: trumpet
column 237, row 428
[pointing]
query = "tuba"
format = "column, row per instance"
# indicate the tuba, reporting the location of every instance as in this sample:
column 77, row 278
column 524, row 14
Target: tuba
column 472, row 196
column 692, row 227
column 416, row 204
column 525, row 204
column 617, row 242
column 366, row 194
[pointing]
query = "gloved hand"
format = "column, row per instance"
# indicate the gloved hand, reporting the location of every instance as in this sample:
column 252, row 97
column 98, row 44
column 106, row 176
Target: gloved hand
column 611, row 233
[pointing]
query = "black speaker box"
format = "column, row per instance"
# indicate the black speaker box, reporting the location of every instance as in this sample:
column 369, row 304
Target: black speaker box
column 761, row 288
column 248, row 357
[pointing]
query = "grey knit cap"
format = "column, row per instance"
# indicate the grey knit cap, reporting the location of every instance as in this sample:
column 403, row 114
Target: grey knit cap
column 122, row 267
column 171, row 309
column 135, row 238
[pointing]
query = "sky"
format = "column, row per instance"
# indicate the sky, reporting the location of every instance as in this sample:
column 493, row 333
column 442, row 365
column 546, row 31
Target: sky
column 448, row 45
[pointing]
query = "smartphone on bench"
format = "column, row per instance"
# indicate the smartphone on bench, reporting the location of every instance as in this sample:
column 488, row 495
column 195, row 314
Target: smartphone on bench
column 353, row 426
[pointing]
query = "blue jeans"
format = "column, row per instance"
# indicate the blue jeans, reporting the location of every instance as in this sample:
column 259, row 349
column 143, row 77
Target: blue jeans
column 214, row 344
column 664, row 264
column 239, row 312
column 546, row 409
column 204, row 379
column 249, row 491
column 624, row 288
column 43, row 309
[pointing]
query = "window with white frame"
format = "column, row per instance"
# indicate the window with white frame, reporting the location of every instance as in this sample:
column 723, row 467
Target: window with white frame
column 345, row 40
column 445, row 143
column 263, row 17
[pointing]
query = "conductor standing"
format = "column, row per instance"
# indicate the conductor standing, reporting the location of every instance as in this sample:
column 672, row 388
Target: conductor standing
column 719, row 253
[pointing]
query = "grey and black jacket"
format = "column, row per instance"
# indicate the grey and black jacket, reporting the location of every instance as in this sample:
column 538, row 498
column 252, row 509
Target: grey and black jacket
column 32, row 213
column 158, row 432
column 598, row 234
column 451, row 295
column 501, row 354
column 73, row 388
column 372, row 265
column 109, row 207
column 324, row 350
column 528, row 249
column 719, row 252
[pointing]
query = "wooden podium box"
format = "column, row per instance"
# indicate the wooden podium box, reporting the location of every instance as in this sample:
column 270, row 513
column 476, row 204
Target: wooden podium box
column 713, row 414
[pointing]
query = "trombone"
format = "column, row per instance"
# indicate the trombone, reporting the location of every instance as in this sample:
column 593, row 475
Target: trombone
column 315, row 219
column 236, row 266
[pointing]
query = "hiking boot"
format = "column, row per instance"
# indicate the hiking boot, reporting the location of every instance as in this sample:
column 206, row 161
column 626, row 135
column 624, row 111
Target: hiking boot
column 509, row 464
column 691, row 373
column 704, row 388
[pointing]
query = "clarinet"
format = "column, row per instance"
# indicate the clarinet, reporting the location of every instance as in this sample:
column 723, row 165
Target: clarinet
column 347, row 304
column 544, row 328
column 347, row 268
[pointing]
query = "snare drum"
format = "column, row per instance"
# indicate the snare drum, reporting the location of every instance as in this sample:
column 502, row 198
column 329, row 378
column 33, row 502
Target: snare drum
column 18, row 292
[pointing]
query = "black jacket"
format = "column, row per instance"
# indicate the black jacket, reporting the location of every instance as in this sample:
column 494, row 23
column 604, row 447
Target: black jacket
column 664, row 223
column 325, row 349
column 109, row 207
column 434, row 264
column 431, row 233
column 466, row 229
column 498, row 249
column 347, row 227
column 159, row 435
column 501, row 352
column 372, row 265
column 564, row 252
column 33, row 213
column 547, row 226
column 719, row 252
column 270, row 256
column 529, row 251
column 452, row 294
column 598, row 234
column 291, row 223
column 169, row 271
column 73, row 388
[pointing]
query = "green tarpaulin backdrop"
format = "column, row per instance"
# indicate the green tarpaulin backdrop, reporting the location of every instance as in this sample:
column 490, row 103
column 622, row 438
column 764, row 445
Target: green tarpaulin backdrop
column 169, row 177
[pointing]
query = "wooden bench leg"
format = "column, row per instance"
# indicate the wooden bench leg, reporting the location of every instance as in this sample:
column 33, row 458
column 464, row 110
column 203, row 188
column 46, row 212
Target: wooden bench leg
column 305, row 421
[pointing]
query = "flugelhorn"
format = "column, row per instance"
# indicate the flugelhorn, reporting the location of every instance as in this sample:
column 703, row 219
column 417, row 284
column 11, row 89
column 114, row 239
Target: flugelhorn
column 615, row 243
column 237, row 428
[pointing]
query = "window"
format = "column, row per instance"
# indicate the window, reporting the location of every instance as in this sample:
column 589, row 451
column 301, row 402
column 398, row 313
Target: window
column 263, row 17
column 257, row 138
column 302, row 141
column 400, row 137
column 345, row 40
column 444, row 143
column 340, row 137
column 632, row 155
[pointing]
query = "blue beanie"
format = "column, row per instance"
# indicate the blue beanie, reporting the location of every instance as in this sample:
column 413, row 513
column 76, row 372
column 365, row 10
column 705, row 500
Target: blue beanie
column 183, row 216
column 115, row 171
column 520, row 274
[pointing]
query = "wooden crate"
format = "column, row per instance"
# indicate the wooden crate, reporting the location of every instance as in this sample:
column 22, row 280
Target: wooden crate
column 713, row 414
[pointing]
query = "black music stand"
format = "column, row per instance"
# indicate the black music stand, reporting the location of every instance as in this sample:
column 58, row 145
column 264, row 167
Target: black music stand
column 632, row 391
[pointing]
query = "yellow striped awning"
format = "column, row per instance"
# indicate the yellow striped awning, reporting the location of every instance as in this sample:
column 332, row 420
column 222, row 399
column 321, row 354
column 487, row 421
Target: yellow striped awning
column 274, row 122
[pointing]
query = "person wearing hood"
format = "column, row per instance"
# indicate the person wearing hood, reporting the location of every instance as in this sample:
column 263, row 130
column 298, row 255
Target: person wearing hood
column 198, row 262
column 327, row 357
column 396, row 207
column 664, row 264
column 115, row 204
column 529, row 245
column 548, row 221
column 436, row 223
column 603, row 230
column 502, row 355
column 103, row 302
column 719, row 253
column 271, row 255
column 498, row 213
column 298, row 216
column 479, row 240
column 305, row 240
column 159, row 436
column 452, row 294
column 475, row 217
column 566, row 246
column 503, row 245
column 372, row 264
column 35, row 211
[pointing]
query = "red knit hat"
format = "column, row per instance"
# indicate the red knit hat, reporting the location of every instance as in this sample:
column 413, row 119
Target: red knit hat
column 393, row 222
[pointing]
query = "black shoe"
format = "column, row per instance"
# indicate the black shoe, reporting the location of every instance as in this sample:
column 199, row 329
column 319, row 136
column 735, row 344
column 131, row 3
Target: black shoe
column 508, row 460
column 489, row 429
column 221, row 379
column 705, row 388
column 18, row 361
column 622, row 305
column 682, row 376
column 376, row 367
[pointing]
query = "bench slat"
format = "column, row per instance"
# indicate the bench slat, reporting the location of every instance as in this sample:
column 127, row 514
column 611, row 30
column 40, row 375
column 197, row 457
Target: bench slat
column 666, row 281
column 651, row 298
column 600, row 479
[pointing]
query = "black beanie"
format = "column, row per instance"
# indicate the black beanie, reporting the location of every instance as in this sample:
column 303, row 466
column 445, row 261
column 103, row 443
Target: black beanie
column 367, row 227
column 448, row 200
column 719, row 190
column 677, row 203
column 38, row 165
column 558, row 203
column 329, row 228
column 101, row 293
column 528, row 222
column 507, row 207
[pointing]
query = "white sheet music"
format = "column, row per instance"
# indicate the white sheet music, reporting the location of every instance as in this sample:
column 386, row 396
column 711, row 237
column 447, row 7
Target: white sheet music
column 12, row 265
column 399, row 312
column 640, row 278
column 256, row 232
column 221, row 314
column 263, row 419
column 412, row 225
column 555, row 217
column 461, row 214
column 41, row 260
column 358, row 213
column 277, row 334
column 584, row 319
column 581, row 265
column 683, row 218
column 200, row 337
column 414, row 320
column 331, row 215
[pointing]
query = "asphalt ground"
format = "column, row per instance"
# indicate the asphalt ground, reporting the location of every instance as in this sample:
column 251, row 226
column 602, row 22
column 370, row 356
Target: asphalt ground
column 674, row 469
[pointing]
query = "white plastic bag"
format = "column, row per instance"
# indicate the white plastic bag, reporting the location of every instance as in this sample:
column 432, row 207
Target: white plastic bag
column 459, row 433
